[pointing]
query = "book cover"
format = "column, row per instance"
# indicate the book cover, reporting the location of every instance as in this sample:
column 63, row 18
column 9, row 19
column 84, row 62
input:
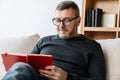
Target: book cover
column 93, row 18
column 109, row 20
column 88, row 21
column 37, row 61
column 98, row 17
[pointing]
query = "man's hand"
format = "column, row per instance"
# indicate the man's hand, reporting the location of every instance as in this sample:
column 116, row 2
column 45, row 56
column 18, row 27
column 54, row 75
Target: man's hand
column 54, row 73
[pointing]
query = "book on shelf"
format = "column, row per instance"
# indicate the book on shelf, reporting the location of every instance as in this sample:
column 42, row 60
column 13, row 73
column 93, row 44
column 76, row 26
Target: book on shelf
column 109, row 20
column 88, row 20
column 93, row 17
column 37, row 61
column 98, row 17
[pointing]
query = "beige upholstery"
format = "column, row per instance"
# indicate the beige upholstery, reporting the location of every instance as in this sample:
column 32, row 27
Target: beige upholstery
column 111, row 48
column 20, row 44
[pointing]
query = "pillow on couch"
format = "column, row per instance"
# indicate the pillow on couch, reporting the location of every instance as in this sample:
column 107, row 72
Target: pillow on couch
column 21, row 44
column 18, row 44
column 111, row 49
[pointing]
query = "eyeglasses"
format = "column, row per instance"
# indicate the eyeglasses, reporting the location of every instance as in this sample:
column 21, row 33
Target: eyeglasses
column 66, row 22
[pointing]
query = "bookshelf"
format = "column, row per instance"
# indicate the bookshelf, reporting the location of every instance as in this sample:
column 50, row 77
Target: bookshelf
column 103, row 32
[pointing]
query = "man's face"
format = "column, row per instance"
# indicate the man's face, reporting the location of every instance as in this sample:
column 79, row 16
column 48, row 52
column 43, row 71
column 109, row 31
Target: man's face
column 67, row 31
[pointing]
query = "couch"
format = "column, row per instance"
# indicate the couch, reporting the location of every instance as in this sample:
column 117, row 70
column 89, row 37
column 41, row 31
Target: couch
column 20, row 44
column 111, row 49
column 24, row 44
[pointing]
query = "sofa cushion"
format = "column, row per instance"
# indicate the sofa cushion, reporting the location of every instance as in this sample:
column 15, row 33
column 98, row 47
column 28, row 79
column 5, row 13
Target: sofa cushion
column 20, row 44
column 111, row 49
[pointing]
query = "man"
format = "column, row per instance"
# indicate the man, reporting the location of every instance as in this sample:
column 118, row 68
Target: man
column 75, row 57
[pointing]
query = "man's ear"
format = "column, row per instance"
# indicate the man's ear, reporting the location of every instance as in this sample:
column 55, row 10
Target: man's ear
column 78, row 21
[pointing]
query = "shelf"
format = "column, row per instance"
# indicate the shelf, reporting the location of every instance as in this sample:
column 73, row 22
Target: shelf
column 100, row 35
column 104, row 4
column 100, row 29
column 108, row 7
column 118, row 30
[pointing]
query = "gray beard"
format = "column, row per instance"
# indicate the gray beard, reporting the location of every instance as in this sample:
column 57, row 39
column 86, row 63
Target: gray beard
column 66, row 36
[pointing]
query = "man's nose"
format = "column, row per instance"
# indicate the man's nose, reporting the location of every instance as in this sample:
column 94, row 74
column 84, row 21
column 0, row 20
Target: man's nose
column 62, row 24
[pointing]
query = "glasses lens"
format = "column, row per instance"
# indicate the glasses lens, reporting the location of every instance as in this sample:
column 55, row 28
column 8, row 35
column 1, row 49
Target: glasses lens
column 56, row 21
column 66, row 22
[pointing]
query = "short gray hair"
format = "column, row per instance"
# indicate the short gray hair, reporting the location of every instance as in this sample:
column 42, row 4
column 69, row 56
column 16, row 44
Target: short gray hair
column 68, row 4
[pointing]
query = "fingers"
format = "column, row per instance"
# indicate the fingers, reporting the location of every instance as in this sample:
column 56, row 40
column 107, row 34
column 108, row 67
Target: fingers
column 54, row 73
column 46, row 72
column 51, row 74
column 52, row 68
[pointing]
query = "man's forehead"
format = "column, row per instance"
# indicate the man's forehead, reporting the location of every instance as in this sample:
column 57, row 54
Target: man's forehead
column 66, row 13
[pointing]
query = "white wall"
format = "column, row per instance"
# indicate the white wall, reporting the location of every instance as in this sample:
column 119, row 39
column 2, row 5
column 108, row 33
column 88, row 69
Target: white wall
column 24, row 17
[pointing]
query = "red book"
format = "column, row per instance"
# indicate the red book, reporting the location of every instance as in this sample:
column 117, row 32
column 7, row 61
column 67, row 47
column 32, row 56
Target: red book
column 37, row 61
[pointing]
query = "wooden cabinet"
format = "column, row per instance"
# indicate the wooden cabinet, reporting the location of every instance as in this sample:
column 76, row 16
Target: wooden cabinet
column 108, row 7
